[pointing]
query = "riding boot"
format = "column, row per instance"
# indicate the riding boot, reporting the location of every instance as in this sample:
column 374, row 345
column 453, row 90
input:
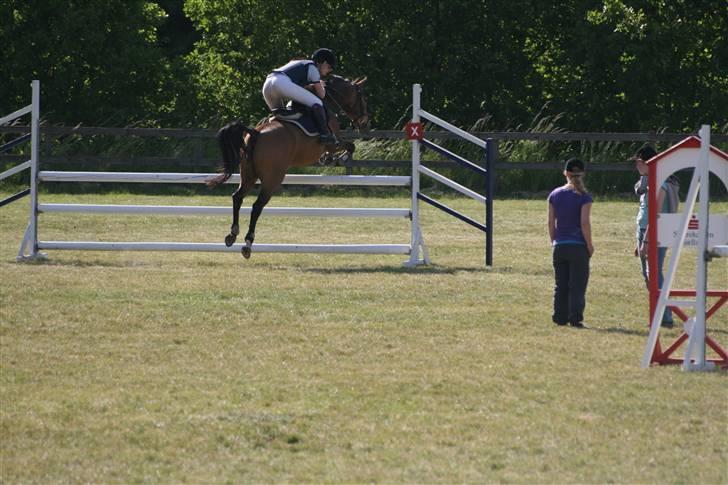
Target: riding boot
column 319, row 117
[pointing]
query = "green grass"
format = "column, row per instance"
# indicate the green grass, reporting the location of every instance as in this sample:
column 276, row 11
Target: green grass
column 200, row 368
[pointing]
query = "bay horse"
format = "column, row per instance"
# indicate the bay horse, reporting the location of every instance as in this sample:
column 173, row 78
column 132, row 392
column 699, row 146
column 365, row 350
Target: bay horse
column 267, row 151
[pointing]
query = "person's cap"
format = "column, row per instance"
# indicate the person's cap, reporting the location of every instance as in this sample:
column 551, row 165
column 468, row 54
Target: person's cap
column 644, row 153
column 574, row 165
column 324, row 54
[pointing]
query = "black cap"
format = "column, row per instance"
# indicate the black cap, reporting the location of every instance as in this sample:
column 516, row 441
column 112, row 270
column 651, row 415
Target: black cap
column 574, row 165
column 645, row 153
column 324, row 54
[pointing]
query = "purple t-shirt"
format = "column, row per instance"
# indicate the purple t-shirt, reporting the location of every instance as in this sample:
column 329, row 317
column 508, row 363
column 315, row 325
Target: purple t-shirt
column 567, row 206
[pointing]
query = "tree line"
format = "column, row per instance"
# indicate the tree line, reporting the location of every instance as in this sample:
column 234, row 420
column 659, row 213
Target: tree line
column 607, row 65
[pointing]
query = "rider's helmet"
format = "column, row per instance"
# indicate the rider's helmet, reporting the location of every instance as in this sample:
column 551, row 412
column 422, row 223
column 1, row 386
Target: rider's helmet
column 324, row 54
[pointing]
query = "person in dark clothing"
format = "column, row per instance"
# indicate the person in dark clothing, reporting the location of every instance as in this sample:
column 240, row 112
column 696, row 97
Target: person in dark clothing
column 569, row 222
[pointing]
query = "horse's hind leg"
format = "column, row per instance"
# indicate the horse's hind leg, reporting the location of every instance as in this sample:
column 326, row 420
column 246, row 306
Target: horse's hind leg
column 238, row 196
column 235, row 228
column 263, row 198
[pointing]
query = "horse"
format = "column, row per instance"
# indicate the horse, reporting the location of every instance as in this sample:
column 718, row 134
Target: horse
column 267, row 151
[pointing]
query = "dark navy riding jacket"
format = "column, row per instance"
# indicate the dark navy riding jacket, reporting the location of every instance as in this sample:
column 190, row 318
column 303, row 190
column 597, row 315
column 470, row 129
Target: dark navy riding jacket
column 298, row 72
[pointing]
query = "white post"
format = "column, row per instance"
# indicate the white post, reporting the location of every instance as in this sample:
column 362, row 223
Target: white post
column 695, row 352
column 30, row 240
column 416, row 237
column 677, row 246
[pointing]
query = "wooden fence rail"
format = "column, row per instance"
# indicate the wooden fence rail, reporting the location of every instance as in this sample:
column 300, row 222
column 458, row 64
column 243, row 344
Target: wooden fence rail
column 198, row 162
column 373, row 135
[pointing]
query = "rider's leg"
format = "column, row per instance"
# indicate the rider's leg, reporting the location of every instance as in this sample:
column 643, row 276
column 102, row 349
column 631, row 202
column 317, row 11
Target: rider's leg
column 319, row 116
column 271, row 93
column 289, row 90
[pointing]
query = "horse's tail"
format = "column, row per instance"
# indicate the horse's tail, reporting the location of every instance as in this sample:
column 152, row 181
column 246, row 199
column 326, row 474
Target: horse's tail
column 231, row 139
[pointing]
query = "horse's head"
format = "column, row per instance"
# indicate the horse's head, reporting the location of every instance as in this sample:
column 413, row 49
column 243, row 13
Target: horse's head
column 348, row 97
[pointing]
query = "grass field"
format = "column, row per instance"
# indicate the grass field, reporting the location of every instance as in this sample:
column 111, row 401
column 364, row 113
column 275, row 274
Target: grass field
column 206, row 368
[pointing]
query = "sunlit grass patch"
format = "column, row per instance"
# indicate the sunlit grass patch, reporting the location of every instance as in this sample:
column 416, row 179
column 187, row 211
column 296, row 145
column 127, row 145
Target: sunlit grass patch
column 171, row 367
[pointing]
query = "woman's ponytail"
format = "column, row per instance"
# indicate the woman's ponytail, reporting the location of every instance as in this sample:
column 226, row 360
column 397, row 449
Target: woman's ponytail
column 576, row 180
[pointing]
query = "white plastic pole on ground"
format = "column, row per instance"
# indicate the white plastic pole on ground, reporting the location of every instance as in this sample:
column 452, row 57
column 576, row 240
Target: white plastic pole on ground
column 695, row 352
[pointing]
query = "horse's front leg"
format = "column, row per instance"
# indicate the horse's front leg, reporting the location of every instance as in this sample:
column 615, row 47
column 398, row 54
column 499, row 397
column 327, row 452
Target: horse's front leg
column 235, row 228
column 263, row 198
column 348, row 154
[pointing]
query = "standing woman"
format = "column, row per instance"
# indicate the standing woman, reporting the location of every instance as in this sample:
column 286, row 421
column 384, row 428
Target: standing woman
column 570, row 232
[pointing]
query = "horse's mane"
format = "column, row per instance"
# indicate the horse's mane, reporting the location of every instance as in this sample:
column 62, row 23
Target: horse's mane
column 334, row 79
column 358, row 80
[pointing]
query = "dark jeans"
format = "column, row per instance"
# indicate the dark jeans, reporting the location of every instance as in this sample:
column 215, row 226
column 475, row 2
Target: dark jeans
column 571, row 270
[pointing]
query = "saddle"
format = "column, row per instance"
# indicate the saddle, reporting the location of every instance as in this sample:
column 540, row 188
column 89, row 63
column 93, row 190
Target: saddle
column 301, row 117
column 298, row 115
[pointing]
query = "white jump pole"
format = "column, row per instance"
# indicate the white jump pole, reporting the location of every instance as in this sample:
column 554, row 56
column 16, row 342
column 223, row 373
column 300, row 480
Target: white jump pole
column 200, row 178
column 218, row 210
column 695, row 352
column 416, row 240
column 221, row 248
column 30, row 239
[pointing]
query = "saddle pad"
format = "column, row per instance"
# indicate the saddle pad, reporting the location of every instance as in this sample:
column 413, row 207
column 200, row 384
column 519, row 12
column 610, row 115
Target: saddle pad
column 305, row 123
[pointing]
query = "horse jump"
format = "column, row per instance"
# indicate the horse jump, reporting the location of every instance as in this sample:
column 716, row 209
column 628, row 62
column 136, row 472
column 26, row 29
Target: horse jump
column 31, row 245
column 187, row 178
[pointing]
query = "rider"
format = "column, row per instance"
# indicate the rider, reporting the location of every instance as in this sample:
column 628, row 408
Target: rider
column 300, row 80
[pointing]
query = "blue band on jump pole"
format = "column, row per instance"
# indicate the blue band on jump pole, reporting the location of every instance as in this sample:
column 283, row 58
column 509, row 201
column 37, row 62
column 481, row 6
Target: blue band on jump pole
column 13, row 143
column 452, row 212
column 455, row 158
column 15, row 197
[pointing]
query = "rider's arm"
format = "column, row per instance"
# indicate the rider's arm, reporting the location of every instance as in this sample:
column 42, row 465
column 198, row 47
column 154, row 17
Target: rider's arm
column 319, row 89
column 316, row 83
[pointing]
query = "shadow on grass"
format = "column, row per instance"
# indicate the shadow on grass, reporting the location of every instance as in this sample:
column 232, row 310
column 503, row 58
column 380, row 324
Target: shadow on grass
column 624, row 331
column 397, row 268
column 90, row 263
column 667, row 333
column 432, row 269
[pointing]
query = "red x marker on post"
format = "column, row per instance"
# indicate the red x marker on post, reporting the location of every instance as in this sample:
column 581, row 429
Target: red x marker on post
column 414, row 131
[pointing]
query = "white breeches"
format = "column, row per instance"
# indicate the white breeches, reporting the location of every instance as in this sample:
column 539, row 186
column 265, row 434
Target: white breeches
column 278, row 89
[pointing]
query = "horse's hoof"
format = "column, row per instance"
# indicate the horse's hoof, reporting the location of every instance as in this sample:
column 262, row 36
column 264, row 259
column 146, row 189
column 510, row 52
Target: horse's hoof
column 230, row 239
column 245, row 250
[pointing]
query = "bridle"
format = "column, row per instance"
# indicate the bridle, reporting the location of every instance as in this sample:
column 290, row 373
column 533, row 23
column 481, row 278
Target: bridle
column 359, row 122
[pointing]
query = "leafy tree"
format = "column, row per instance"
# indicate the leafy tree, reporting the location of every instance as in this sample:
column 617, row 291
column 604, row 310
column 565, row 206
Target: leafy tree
column 634, row 66
column 98, row 63
column 620, row 65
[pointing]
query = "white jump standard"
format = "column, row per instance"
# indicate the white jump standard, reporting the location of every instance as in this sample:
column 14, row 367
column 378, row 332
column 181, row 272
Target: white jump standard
column 31, row 245
column 415, row 133
column 706, row 233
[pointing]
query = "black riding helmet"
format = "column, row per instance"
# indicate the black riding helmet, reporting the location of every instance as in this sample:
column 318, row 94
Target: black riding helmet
column 324, row 54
